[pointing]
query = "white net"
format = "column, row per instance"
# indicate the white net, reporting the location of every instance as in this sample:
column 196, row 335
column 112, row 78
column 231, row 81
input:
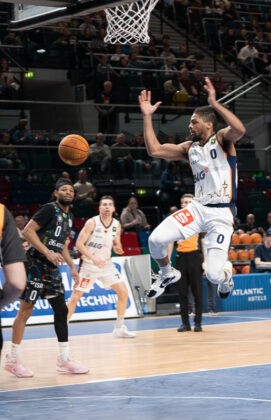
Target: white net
column 129, row 22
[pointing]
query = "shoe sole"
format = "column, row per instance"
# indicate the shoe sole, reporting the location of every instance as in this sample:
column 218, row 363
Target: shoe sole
column 68, row 371
column 152, row 294
column 119, row 336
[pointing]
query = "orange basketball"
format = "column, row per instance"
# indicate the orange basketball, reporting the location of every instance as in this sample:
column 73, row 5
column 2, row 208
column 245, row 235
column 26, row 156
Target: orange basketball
column 251, row 254
column 235, row 239
column 245, row 239
column 232, row 255
column 242, row 255
column 234, row 270
column 246, row 269
column 256, row 238
column 73, row 149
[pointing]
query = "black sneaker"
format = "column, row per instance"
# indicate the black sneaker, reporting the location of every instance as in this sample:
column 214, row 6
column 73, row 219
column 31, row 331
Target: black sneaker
column 197, row 328
column 184, row 328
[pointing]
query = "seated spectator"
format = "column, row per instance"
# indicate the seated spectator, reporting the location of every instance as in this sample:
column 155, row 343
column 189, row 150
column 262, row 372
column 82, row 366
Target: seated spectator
column 104, row 69
column 220, row 87
column 183, row 56
column 199, row 83
column 246, row 58
column 100, row 157
column 8, row 154
column 228, row 15
column 98, row 44
column 170, row 187
column 243, row 36
column 21, row 222
column 132, row 219
column 23, row 136
column 85, row 191
column 168, row 70
column 167, row 52
column 262, row 254
column 188, row 84
column 66, row 38
column 170, row 87
column 250, row 225
column 116, row 56
column 263, row 63
column 259, row 40
column 65, row 175
column 8, row 84
column 122, row 159
column 144, row 165
column 88, row 23
column 228, row 43
column 107, row 116
column 268, row 219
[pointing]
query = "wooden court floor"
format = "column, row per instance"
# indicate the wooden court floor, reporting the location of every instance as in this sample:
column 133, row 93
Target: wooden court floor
column 152, row 352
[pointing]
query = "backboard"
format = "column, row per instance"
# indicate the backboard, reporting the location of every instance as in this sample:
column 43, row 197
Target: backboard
column 44, row 12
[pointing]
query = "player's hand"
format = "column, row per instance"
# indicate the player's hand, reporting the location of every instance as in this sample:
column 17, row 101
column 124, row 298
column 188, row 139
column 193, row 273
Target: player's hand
column 75, row 277
column 55, row 258
column 144, row 100
column 100, row 263
column 118, row 250
column 210, row 90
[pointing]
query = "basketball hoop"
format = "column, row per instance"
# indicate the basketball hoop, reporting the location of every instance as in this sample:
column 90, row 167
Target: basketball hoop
column 129, row 22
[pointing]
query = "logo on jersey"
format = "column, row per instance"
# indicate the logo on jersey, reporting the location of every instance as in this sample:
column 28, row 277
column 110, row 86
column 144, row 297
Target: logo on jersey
column 70, row 223
column 199, row 176
column 114, row 229
column 184, row 217
column 59, row 218
column 95, row 245
column 213, row 141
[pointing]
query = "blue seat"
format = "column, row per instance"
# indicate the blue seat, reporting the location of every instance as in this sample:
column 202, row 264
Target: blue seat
column 143, row 239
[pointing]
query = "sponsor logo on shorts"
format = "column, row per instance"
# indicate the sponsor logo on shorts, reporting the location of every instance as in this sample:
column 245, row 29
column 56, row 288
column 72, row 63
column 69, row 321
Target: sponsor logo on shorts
column 184, row 217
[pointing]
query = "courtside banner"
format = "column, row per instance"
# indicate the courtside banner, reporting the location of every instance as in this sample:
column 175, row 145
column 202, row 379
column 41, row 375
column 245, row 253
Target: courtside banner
column 98, row 304
column 251, row 291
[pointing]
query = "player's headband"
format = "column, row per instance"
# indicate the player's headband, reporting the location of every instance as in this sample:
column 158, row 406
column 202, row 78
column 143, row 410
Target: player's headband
column 62, row 182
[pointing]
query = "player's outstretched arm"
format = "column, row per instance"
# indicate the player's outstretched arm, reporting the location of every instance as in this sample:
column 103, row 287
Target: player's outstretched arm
column 235, row 129
column 154, row 148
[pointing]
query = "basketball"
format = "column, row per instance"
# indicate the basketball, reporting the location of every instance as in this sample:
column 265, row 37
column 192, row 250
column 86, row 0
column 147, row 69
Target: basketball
column 73, row 149
column 256, row 238
column 232, row 255
column 242, row 255
column 246, row 269
column 234, row 270
column 245, row 239
column 251, row 254
column 235, row 239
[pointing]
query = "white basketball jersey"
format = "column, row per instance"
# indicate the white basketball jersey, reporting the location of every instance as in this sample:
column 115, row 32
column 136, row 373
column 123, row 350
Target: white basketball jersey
column 214, row 171
column 100, row 242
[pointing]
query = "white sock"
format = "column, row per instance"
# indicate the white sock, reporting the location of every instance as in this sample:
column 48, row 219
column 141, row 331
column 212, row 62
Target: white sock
column 166, row 269
column 119, row 321
column 14, row 354
column 64, row 350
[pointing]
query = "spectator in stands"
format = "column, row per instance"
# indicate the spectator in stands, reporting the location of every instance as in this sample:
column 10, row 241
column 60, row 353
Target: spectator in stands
column 167, row 52
column 23, row 136
column 85, row 191
column 243, row 36
column 106, row 108
column 183, row 56
column 228, row 44
column 133, row 219
column 8, row 154
column 116, row 56
column 100, row 156
column 246, row 58
column 199, row 83
column 259, row 40
column 263, row 63
column 181, row 12
column 98, row 44
column 250, row 226
column 228, row 15
column 66, row 38
column 144, row 165
column 88, row 23
column 170, row 87
column 188, row 84
column 65, row 175
column 122, row 160
column 168, row 70
column 196, row 16
column 170, row 187
column 8, row 83
column 219, row 85
column 104, row 69
column 262, row 253
column 152, row 51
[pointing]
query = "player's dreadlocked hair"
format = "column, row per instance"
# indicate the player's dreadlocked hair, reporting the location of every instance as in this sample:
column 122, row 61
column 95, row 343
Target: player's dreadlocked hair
column 208, row 114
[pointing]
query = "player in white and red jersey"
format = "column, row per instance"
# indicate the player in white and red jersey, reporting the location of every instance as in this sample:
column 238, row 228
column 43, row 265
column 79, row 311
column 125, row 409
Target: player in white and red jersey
column 212, row 157
column 95, row 242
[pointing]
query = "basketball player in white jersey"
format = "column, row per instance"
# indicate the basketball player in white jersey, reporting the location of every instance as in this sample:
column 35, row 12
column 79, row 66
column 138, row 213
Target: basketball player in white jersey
column 212, row 157
column 95, row 242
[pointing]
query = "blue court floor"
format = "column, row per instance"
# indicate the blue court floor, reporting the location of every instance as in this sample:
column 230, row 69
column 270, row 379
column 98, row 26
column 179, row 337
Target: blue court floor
column 240, row 393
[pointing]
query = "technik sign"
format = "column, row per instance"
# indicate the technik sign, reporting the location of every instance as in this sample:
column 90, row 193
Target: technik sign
column 99, row 303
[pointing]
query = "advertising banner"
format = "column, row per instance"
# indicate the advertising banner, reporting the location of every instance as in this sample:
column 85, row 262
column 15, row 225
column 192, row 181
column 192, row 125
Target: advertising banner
column 98, row 304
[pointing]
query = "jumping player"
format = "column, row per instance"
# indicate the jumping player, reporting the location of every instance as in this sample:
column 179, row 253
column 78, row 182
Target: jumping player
column 212, row 157
column 48, row 233
column 95, row 242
